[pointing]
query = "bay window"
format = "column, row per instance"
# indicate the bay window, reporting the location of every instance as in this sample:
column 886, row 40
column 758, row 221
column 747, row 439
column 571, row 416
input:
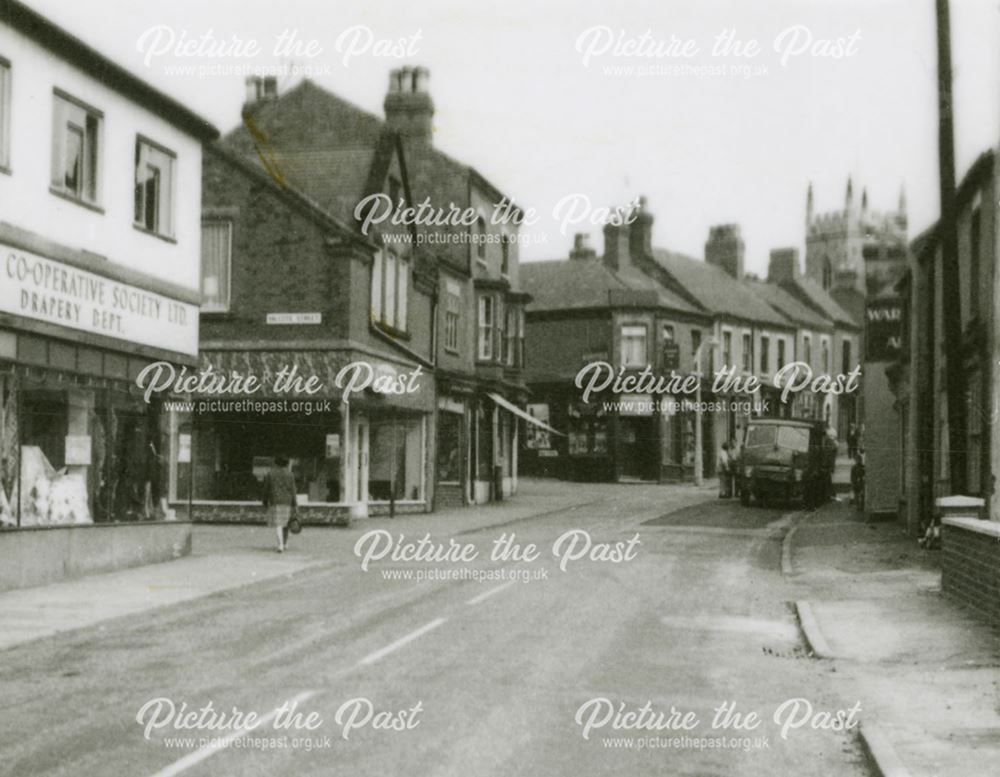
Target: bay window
column 390, row 290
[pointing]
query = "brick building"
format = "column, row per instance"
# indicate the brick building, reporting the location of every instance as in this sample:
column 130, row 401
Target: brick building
column 445, row 298
column 584, row 311
column 919, row 380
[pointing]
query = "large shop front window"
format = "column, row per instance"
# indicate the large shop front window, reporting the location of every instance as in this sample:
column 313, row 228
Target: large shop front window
column 230, row 455
column 78, row 455
column 396, row 469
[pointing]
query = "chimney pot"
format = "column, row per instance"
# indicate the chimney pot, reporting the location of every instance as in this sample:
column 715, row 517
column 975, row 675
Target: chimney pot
column 409, row 109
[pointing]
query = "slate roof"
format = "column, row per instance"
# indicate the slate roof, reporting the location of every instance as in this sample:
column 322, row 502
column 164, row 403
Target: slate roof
column 821, row 300
column 333, row 151
column 790, row 307
column 575, row 284
column 716, row 290
column 567, row 284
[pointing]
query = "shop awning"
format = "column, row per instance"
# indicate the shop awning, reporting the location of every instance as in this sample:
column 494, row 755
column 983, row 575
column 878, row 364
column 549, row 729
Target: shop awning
column 501, row 402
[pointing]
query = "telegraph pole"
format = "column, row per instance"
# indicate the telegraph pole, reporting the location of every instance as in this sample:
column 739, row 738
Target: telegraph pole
column 948, row 240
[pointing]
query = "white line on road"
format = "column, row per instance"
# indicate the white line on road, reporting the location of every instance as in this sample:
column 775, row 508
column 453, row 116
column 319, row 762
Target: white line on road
column 487, row 594
column 221, row 743
column 371, row 658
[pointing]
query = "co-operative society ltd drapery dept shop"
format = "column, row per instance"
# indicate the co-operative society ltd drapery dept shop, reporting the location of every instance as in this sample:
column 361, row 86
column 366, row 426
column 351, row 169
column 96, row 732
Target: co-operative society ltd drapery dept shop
column 99, row 277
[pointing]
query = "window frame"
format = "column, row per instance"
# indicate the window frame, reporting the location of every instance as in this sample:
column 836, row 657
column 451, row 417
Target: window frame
column 225, row 306
column 485, row 326
column 385, row 294
column 6, row 86
column 629, row 332
column 452, row 317
column 92, row 150
column 480, row 242
column 167, row 200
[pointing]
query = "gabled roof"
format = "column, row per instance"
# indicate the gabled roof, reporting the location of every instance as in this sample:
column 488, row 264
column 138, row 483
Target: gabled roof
column 790, row 307
column 812, row 293
column 71, row 49
column 336, row 152
column 567, row 284
column 716, row 290
column 577, row 284
column 292, row 196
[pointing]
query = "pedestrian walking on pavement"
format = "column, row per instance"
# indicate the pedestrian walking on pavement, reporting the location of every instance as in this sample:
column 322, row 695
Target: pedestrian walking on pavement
column 279, row 498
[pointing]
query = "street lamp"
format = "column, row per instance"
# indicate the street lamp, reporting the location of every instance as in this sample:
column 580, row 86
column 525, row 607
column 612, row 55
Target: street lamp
column 699, row 464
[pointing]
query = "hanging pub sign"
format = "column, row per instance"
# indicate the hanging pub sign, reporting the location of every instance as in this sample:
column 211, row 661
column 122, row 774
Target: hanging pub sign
column 883, row 329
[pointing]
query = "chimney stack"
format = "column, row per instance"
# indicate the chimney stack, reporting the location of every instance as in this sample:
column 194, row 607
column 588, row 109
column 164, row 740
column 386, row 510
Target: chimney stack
column 581, row 247
column 616, row 246
column 640, row 231
column 725, row 249
column 409, row 109
column 260, row 89
column 783, row 266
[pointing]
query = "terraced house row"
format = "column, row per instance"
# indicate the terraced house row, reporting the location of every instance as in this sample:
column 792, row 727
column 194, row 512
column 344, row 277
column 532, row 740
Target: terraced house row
column 636, row 306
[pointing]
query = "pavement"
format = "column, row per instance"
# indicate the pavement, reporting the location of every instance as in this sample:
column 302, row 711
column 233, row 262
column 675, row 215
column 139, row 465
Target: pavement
column 924, row 669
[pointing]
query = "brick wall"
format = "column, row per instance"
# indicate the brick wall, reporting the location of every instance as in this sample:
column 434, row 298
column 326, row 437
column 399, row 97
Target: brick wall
column 970, row 571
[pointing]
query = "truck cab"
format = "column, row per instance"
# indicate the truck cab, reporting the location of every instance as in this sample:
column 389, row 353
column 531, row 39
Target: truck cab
column 783, row 459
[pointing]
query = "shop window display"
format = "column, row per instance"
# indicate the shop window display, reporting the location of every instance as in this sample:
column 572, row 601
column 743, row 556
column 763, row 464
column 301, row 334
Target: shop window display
column 76, row 455
column 395, row 468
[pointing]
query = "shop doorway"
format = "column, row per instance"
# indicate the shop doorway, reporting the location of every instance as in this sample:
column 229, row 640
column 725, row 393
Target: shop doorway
column 638, row 448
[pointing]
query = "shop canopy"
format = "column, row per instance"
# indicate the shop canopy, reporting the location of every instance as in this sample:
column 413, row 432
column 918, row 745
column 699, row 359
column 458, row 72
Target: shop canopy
column 522, row 414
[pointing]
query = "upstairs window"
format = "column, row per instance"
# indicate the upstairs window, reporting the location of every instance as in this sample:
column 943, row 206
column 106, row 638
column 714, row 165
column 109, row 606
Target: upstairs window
column 487, row 320
column 154, row 188
column 76, row 148
column 633, row 346
column 505, row 255
column 4, row 113
column 765, row 354
column 216, row 265
column 747, row 352
column 781, row 354
column 824, row 345
column 480, row 238
column 390, row 290
column 727, row 349
column 452, row 316
column 845, row 356
column 807, row 350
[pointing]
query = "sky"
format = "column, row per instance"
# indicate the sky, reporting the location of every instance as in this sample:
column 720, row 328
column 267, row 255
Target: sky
column 561, row 102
